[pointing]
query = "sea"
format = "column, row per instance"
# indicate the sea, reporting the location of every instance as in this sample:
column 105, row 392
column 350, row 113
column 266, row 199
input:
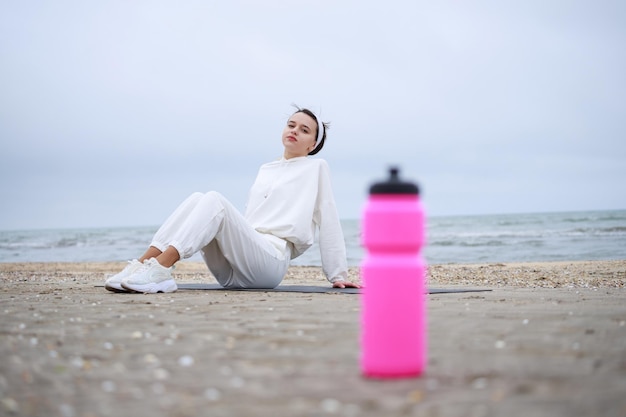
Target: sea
column 529, row 237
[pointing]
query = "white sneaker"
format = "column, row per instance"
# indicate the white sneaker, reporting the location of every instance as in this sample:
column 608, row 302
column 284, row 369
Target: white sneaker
column 114, row 283
column 152, row 278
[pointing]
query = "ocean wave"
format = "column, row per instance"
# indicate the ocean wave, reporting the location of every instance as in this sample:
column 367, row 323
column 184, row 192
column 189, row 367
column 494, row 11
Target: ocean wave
column 577, row 220
column 465, row 244
column 613, row 230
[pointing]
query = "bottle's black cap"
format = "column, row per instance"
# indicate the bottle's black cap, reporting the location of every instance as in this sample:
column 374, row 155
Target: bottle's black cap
column 394, row 185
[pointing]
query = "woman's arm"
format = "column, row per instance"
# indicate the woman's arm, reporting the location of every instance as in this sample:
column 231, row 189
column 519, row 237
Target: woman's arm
column 331, row 239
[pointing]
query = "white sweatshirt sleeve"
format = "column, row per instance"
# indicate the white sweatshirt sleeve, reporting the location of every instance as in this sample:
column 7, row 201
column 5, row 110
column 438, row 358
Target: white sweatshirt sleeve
column 331, row 240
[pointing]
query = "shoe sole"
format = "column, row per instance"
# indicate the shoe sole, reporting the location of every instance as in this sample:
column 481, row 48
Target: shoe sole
column 114, row 289
column 152, row 288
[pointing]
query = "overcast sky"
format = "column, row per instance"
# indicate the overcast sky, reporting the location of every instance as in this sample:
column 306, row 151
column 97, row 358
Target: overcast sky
column 112, row 112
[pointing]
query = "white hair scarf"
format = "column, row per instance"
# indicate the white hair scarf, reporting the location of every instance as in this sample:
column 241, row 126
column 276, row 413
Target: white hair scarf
column 320, row 131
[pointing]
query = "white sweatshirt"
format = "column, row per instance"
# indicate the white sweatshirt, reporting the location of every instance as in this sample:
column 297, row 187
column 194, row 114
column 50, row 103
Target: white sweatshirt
column 289, row 199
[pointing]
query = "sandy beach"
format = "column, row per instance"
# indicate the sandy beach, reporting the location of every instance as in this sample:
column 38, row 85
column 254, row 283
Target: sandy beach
column 547, row 339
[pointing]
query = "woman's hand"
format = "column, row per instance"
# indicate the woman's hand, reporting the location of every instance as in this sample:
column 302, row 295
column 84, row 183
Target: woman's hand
column 345, row 284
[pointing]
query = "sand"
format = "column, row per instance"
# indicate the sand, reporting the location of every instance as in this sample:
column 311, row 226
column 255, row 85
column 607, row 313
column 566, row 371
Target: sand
column 549, row 339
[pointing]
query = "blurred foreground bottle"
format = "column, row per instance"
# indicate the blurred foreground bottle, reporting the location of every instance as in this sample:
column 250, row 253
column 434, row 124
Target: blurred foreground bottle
column 393, row 300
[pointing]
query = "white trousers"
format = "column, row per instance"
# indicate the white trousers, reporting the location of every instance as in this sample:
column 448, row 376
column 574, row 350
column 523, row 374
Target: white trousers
column 236, row 254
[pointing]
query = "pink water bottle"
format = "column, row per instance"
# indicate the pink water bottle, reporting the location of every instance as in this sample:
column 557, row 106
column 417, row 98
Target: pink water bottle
column 393, row 300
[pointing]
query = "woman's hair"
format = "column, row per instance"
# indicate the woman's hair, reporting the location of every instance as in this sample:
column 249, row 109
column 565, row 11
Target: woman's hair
column 324, row 126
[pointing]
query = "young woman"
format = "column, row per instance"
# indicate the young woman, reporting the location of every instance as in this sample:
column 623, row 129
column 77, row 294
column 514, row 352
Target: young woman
column 290, row 199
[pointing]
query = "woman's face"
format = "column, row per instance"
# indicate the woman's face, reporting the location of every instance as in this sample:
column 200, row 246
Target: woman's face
column 299, row 135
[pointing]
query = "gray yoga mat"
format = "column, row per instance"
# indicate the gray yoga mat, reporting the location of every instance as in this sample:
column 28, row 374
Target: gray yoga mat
column 313, row 289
